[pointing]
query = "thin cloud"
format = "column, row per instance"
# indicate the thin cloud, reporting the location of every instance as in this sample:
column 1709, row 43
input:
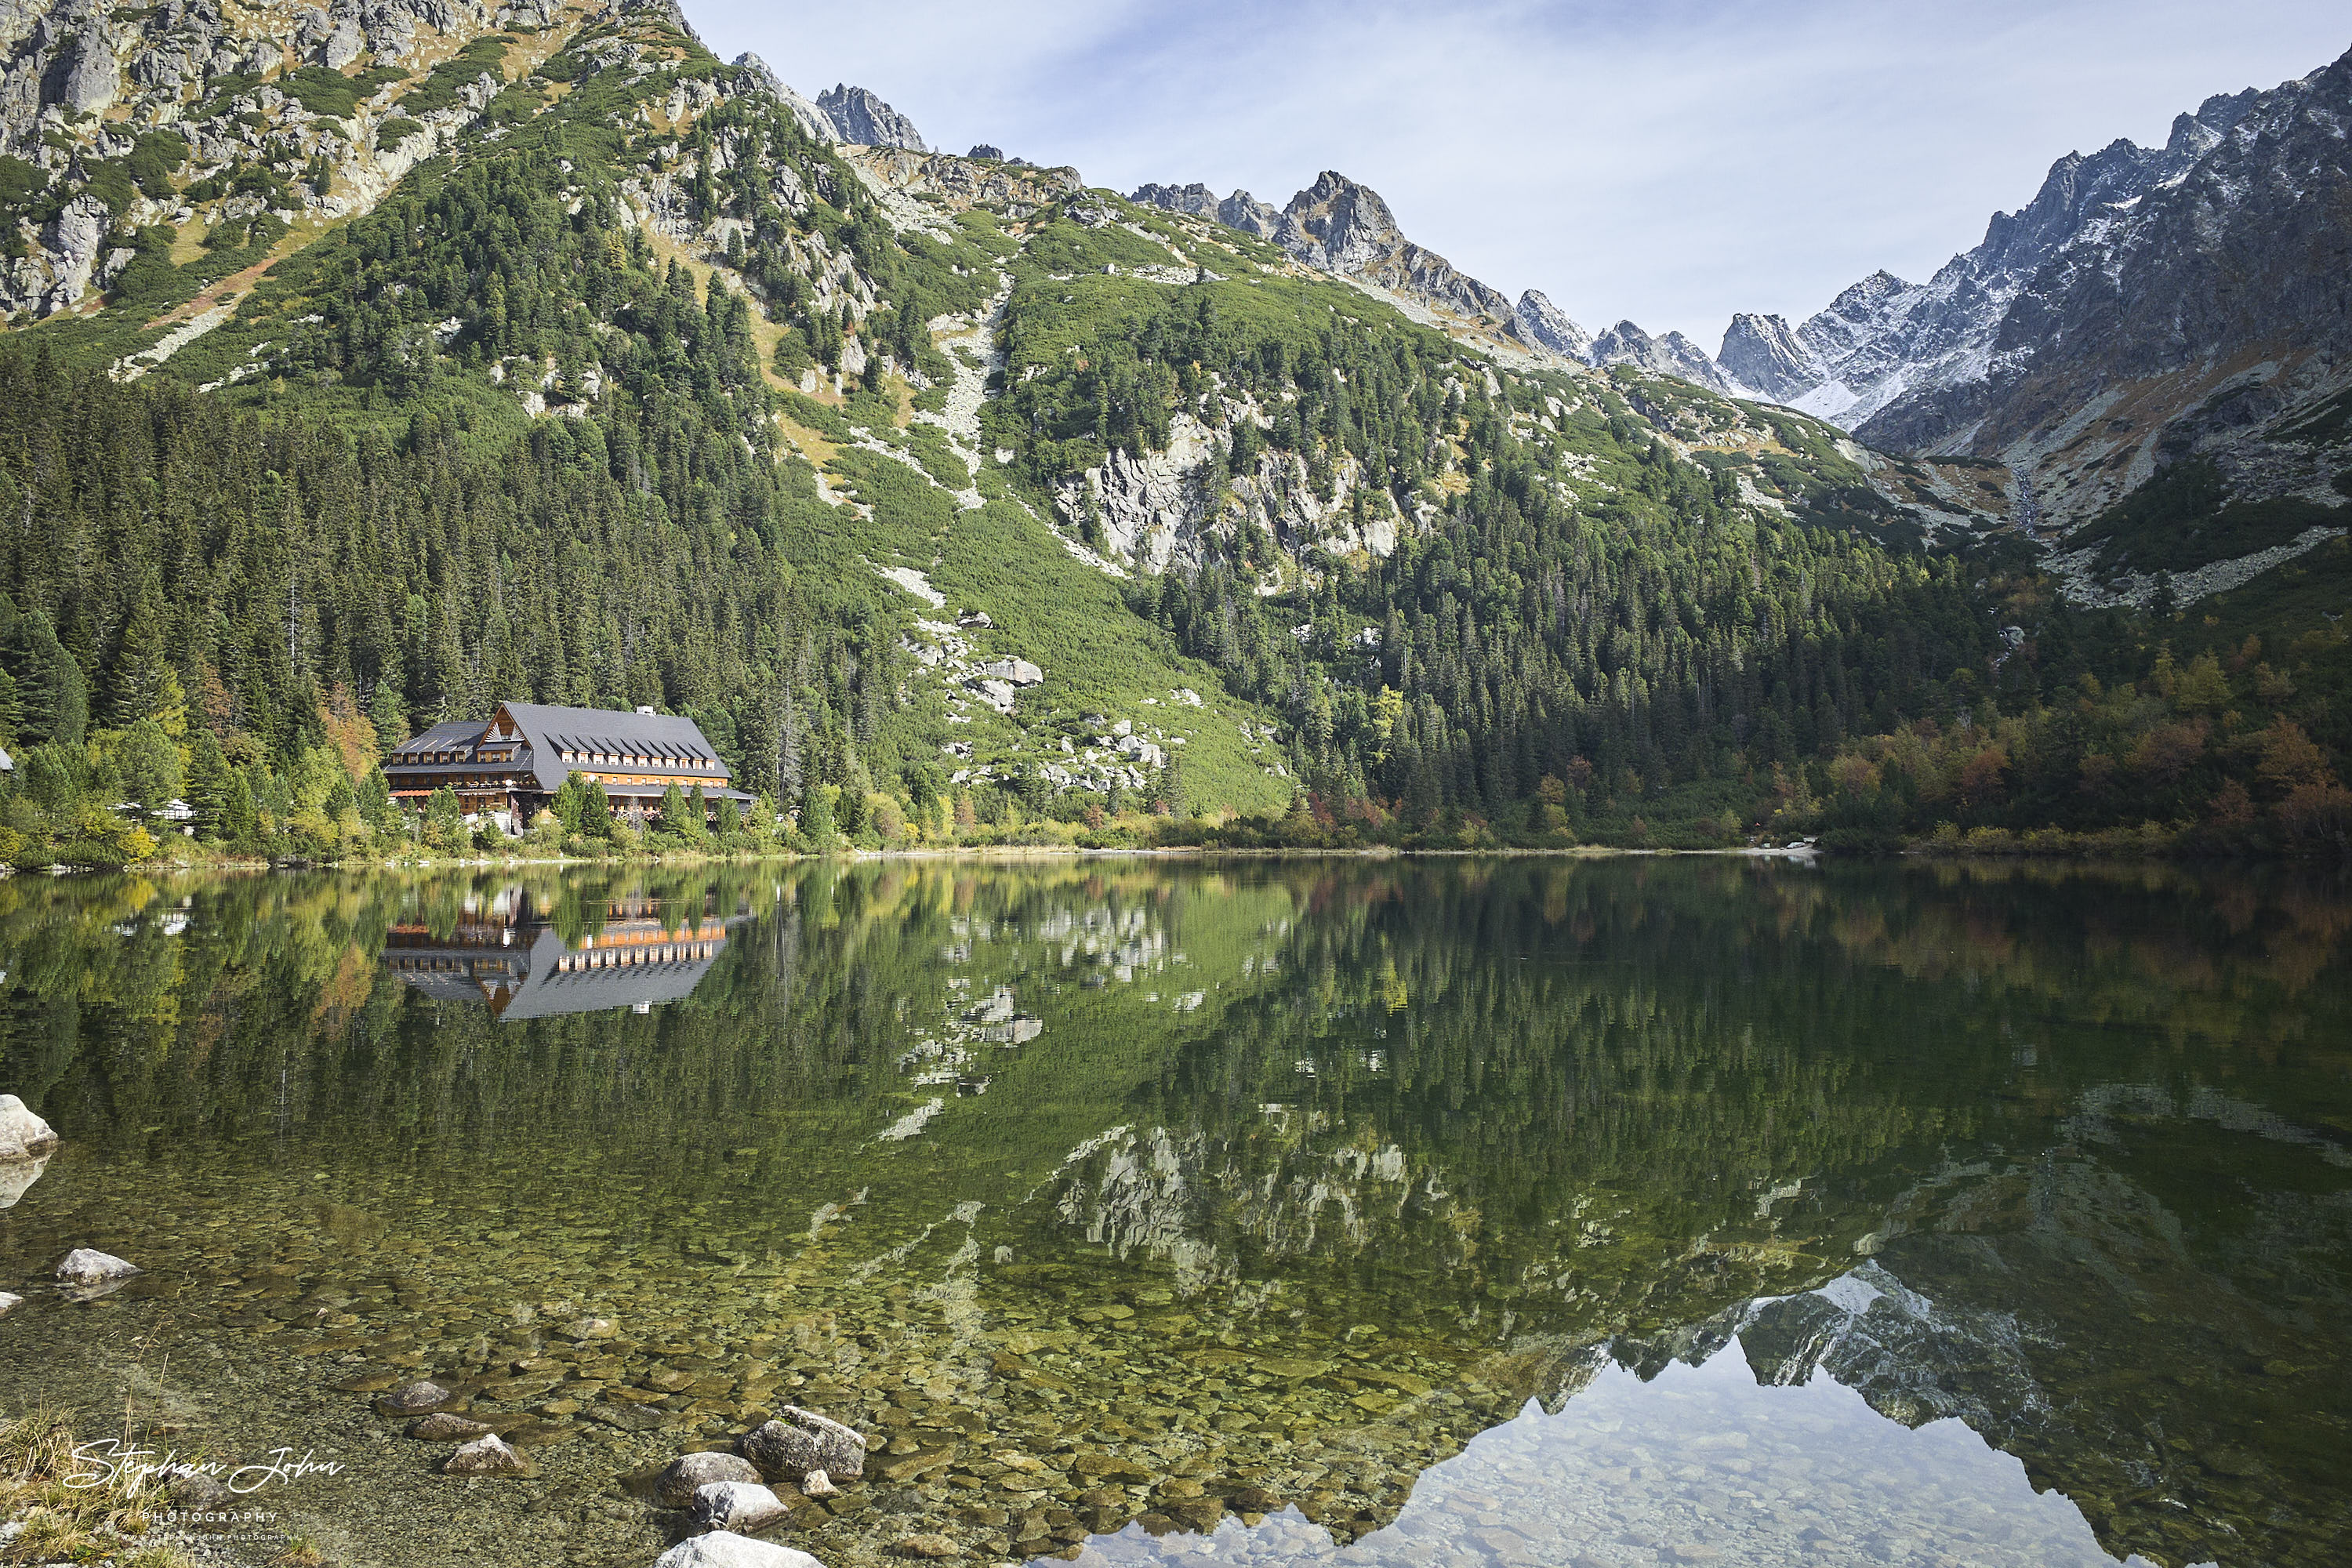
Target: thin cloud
column 1670, row 162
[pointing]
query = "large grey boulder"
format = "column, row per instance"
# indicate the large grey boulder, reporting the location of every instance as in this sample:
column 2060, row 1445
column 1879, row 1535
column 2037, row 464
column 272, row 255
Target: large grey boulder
column 725, row 1549
column 1018, row 671
column 743, row 1507
column 342, row 47
column 690, row 1473
column 74, row 239
column 799, row 1441
column 23, row 1135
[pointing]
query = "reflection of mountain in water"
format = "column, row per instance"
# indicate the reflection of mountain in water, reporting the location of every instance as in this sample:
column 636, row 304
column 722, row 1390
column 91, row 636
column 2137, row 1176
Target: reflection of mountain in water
column 2012, row 1190
column 1293, row 1178
column 521, row 966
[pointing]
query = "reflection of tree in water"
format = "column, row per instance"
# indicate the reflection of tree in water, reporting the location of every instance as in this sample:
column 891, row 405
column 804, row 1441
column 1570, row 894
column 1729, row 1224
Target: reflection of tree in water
column 1602, row 1103
column 1516, row 1115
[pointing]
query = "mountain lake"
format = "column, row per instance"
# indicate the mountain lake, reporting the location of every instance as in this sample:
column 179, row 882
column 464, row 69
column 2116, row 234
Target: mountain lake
column 1513, row 1211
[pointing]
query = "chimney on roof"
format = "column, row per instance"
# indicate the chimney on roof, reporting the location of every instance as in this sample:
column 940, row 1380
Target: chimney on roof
column 646, row 711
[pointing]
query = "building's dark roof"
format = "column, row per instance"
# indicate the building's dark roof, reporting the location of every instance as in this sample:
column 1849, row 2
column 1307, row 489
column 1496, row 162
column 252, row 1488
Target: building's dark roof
column 456, row 733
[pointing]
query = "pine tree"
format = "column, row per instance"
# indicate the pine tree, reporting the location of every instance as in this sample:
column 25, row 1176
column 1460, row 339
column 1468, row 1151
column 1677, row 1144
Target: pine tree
column 55, row 695
column 674, row 812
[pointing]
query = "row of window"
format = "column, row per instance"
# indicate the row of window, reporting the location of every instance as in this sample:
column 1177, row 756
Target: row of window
column 585, row 758
column 611, row 759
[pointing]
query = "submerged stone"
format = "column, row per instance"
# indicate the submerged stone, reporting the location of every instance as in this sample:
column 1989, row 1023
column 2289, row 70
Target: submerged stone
column 84, row 1266
column 689, row 1473
column 725, row 1549
column 413, row 1398
column 799, row 1441
column 741, row 1506
column 488, row 1457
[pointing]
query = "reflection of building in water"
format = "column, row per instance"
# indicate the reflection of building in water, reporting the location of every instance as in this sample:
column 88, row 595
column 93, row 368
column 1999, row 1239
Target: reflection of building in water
column 508, row 956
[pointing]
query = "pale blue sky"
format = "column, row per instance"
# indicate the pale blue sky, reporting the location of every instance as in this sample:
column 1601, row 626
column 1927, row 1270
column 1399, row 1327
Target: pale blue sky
column 1671, row 162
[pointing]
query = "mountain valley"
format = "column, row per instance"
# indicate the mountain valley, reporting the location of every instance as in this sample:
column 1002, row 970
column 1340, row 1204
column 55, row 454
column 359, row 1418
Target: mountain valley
column 384, row 362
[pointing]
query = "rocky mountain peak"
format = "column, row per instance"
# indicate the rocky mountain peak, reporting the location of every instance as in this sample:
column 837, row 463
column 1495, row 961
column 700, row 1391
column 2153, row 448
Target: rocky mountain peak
column 2194, row 135
column 1541, row 324
column 865, row 121
column 1761, row 352
column 1348, row 226
column 1342, row 226
column 1195, row 199
column 1671, row 354
column 758, row 73
column 1247, row 213
column 1883, row 340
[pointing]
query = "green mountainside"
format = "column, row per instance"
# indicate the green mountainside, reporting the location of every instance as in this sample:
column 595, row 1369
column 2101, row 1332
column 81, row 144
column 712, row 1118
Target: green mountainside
column 363, row 383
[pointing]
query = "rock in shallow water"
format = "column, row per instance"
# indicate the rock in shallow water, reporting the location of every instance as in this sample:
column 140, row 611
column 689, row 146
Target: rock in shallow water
column 725, row 1549
column 690, row 1473
column 816, row 1483
column 23, row 1135
column 487, row 1457
column 799, row 1441
column 413, row 1398
column 83, row 1266
column 442, row 1428
column 9, row 1304
column 744, row 1507
column 927, row 1546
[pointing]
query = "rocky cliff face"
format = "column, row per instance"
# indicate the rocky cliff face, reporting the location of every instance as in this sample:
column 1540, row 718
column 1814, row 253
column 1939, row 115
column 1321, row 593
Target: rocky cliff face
column 1887, row 342
column 194, row 116
column 1344, row 227
column 2150, row 305
column 1195, row 199
column 862, row 120
column 1884, row 338
column 1760, row 351
column 2192, row 329
column 1542, row 324
column 1247, row 213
